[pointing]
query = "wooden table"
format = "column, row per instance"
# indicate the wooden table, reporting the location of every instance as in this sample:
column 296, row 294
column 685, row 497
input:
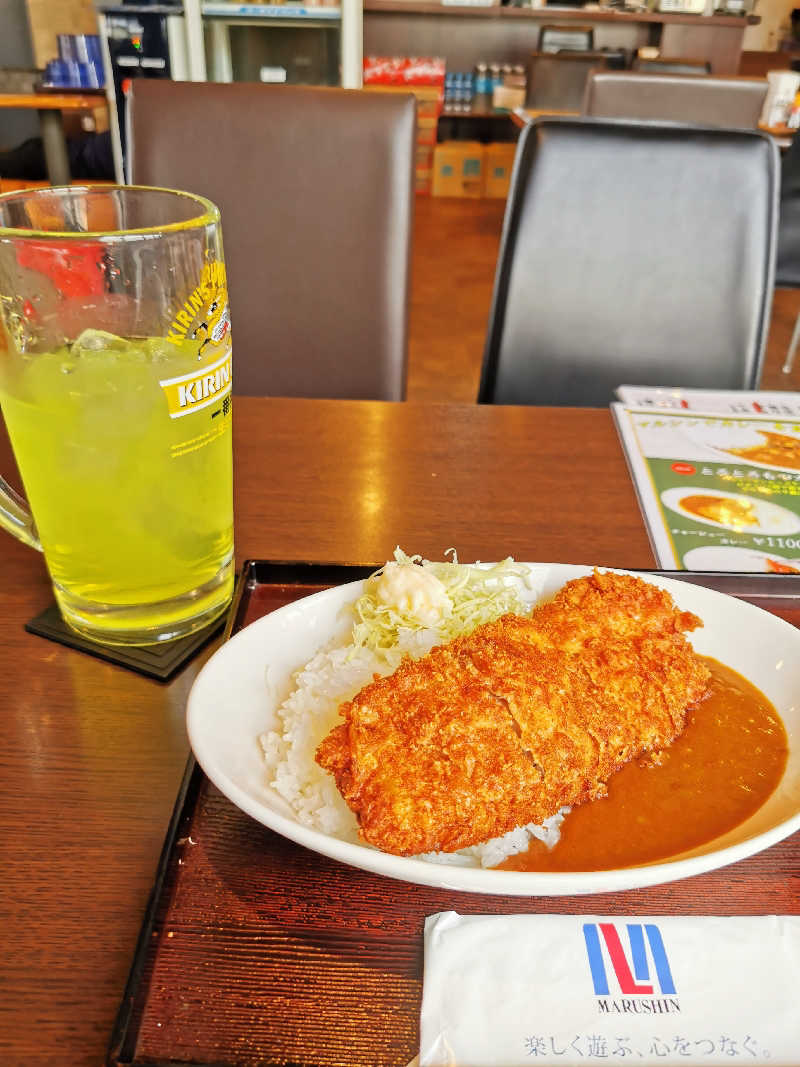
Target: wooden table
column 51, row 107
column 91, row 755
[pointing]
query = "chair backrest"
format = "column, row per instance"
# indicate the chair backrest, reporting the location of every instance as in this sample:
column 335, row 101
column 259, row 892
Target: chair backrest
column 631, row 252
column 569, row 38
column 709, row 101
column 787, row 263
column 557, row 80
column 315, row 187
column 665, row 65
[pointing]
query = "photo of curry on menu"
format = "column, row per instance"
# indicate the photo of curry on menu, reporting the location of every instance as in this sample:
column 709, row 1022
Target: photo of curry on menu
column 717, row 476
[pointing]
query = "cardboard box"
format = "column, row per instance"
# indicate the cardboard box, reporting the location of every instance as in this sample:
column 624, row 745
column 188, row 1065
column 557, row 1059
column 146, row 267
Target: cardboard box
column 498, row 162
column 508, row 97
column 423, row 181
column 424, row 158
column 458, row 169
column 404, row 70
column 430, row 98
column 426, row 130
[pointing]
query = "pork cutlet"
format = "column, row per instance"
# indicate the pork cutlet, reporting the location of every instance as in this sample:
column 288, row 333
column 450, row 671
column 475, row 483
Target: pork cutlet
column 519, row 718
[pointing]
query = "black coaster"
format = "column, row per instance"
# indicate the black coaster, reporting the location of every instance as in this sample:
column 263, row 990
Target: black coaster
column 155, row 661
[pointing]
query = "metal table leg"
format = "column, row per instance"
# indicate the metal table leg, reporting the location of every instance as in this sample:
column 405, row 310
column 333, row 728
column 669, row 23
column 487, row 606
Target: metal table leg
column 55, row 147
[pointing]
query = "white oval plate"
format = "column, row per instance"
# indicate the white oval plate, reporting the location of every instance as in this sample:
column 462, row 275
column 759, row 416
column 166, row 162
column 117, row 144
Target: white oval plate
column 230, row 706
column 721, row 439
column 773, row 520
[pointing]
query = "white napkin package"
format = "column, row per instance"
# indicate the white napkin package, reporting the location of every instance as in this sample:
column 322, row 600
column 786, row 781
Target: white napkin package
column 569, row 990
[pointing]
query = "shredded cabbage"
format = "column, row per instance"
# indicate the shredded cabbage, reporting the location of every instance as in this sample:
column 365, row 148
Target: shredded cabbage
column 477, row 594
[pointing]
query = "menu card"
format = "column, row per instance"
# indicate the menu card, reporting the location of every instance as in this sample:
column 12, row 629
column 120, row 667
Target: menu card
column 724, row 401
column 672, row 991
column 717, row 476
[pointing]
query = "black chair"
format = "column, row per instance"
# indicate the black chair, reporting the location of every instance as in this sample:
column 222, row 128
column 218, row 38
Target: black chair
column 637, row 253
column 787, row 268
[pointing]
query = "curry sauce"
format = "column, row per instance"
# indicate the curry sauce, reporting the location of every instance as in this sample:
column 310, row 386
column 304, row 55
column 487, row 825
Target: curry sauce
column 726, row 510
column 722, row 768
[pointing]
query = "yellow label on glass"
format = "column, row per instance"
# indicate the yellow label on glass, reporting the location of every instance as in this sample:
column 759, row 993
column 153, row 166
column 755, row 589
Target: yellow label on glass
column 204, row 316
column 205, row 320
column 191, row 392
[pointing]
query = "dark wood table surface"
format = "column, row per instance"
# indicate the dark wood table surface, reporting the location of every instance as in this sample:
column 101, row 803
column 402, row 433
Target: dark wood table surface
column 91, row 755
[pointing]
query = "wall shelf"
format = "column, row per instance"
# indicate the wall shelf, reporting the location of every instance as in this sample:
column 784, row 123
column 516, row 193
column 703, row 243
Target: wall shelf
column 466, row 34
column 218, row 47
column 288, row 12
column 555, row 14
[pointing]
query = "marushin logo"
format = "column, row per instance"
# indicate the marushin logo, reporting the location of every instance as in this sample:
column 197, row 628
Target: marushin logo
column 634, row 982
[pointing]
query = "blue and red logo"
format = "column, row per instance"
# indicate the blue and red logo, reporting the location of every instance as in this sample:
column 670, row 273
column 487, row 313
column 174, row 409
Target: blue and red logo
column 632, row 969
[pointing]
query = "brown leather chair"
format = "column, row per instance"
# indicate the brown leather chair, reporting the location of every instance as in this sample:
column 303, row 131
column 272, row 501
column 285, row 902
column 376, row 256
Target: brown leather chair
column 557, row 80
column 315, row 187
column 665, row 65
column 734, row 103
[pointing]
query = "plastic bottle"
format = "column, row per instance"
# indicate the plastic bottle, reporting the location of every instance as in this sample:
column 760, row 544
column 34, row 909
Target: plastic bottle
column 482, row 100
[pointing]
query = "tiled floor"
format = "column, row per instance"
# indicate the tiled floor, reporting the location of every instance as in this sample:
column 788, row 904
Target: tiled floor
column 455, row 251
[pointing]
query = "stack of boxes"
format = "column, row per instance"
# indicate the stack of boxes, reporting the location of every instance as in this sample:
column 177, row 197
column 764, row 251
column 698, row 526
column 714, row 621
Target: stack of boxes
column 472, row 169
column 453, row 168
column 424, row 77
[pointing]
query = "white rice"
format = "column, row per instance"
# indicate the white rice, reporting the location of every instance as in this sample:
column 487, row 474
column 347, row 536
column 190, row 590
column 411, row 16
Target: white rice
column 310, row 712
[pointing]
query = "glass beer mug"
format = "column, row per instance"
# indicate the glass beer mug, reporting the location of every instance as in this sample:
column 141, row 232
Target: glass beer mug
column 115, row 386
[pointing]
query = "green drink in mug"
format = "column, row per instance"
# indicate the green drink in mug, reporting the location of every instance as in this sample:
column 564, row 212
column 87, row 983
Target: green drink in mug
column 115, row 386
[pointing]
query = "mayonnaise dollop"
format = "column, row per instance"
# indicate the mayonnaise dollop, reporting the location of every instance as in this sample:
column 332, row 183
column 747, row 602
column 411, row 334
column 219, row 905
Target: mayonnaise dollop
column 413, row 590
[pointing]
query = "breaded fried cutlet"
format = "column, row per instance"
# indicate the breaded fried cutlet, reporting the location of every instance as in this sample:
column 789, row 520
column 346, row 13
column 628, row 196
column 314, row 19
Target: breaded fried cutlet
column 512, row 722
